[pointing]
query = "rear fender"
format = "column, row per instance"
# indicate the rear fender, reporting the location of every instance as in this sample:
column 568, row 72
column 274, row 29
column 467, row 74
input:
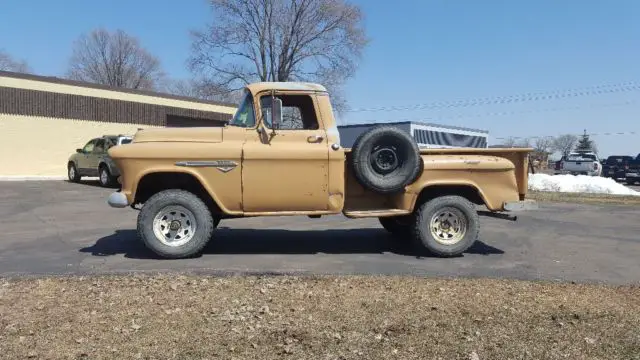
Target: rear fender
column 449, row 188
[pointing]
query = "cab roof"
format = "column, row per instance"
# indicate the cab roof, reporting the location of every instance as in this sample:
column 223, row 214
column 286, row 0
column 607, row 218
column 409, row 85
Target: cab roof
column 285, row 86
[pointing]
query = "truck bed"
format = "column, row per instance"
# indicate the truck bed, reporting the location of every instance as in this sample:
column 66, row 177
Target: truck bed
column 478, row 151
column 363, row 203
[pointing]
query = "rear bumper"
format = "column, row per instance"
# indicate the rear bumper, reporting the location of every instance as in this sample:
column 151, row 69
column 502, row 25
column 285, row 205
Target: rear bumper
column 579, row 172
column 613, row 173
column 523, row 205
column 117, row 200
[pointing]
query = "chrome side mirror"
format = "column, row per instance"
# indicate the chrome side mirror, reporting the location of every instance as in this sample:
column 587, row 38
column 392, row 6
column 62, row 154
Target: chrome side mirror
column 276, row 112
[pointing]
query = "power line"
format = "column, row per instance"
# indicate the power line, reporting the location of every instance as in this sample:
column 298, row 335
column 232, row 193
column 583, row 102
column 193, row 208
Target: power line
column 509, row 99
column 576, row 134
column 519, row 112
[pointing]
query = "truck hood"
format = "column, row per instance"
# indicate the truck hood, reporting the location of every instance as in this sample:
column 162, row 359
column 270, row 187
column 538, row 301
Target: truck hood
column 189, row 134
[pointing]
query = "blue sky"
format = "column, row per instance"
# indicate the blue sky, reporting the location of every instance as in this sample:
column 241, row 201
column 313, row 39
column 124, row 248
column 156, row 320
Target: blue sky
column 421, row 52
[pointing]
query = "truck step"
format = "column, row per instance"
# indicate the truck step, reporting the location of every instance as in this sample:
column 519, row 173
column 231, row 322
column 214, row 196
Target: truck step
column 375, row 213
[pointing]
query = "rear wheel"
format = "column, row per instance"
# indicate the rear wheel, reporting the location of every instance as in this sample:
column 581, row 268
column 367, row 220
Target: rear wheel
column 446, row 226
column 105, row 176
column 175, row 224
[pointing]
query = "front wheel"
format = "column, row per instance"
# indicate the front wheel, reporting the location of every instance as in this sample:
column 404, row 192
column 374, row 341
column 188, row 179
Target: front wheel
column 72, row 173
column 175, row 224
column 446, row 226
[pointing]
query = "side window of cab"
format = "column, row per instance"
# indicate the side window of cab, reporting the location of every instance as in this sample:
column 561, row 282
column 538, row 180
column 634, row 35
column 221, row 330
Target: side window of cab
column 298, row 112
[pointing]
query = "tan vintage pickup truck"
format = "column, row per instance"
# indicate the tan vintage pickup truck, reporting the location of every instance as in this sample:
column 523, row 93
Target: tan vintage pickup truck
column 281, row 155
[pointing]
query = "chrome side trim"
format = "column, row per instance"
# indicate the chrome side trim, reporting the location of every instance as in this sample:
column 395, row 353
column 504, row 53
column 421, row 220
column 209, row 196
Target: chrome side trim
column 214, row 163
column 222, row 165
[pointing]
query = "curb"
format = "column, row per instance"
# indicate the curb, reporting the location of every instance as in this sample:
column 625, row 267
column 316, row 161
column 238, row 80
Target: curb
column 30, row 177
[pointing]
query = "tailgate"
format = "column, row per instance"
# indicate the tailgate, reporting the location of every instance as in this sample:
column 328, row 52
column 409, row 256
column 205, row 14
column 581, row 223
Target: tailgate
column 577, row 165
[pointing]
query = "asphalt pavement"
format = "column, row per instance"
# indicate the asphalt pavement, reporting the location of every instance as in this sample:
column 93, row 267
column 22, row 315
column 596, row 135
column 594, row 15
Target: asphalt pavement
column 57, row 227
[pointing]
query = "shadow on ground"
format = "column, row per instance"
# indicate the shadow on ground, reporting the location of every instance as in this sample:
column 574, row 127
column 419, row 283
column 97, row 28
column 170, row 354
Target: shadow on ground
column 277, row 241
column 93, row 183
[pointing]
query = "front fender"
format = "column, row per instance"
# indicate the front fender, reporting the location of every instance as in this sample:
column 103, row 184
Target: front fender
column 130, row 185
column 73, row 159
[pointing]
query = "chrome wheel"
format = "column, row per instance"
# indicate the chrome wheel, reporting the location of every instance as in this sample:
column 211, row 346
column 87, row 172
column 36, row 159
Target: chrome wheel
column 72, row 172
column 448, row 226
column 174, row 225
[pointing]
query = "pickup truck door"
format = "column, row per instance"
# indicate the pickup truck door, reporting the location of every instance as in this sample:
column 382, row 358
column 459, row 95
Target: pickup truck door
column 287, row 170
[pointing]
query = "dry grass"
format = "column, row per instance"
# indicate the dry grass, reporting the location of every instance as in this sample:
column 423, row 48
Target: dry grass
column 583, row 198
column 195, row 317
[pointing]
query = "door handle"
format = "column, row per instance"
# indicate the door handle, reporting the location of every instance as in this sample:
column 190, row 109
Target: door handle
column 314, row 138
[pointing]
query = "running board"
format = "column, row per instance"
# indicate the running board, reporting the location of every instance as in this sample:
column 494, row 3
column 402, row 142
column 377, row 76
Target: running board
column 375, row 213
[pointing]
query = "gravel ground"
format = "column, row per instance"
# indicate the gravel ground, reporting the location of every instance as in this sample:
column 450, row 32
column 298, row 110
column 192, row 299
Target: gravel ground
column 189, row 317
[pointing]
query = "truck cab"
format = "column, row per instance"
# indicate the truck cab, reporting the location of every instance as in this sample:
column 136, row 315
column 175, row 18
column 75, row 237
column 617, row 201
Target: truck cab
column 281, row 155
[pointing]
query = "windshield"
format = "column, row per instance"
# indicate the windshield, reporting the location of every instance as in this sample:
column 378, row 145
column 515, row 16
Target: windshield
column 244, row 116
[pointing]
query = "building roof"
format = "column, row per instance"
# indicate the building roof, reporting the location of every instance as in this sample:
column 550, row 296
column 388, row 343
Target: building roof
column 60, row 85
column 449, row 127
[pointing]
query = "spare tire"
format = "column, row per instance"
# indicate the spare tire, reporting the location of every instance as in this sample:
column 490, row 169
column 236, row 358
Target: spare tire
column 386, row 159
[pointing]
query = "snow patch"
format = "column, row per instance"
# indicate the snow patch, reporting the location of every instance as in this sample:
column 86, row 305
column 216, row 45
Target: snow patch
column 578, row 184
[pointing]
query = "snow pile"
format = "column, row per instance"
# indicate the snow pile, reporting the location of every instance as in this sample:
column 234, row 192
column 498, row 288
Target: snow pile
column 578, row 184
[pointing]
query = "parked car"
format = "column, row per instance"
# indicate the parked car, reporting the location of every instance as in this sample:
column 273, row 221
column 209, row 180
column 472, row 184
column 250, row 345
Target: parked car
column 632, row 174
column 616, row 166
column 93, row 160
column 575, row 163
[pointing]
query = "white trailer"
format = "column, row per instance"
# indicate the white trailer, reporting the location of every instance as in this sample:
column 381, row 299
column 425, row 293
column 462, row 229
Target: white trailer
column 426, row 135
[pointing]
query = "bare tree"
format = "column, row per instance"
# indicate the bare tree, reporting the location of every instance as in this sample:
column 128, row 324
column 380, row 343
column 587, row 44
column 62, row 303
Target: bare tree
column 544, row 144
column 509, row 142
column 280, row 40
column 525, row 143
column 199, row 89
column 564, row 144
column 8, row 63
column 114, row 59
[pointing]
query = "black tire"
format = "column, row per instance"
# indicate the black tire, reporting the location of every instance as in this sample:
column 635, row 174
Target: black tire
column 424, row 239
column 72, row 173
column 204, row 223
column 386, row 159
column 399, row 226
column 108, row 179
